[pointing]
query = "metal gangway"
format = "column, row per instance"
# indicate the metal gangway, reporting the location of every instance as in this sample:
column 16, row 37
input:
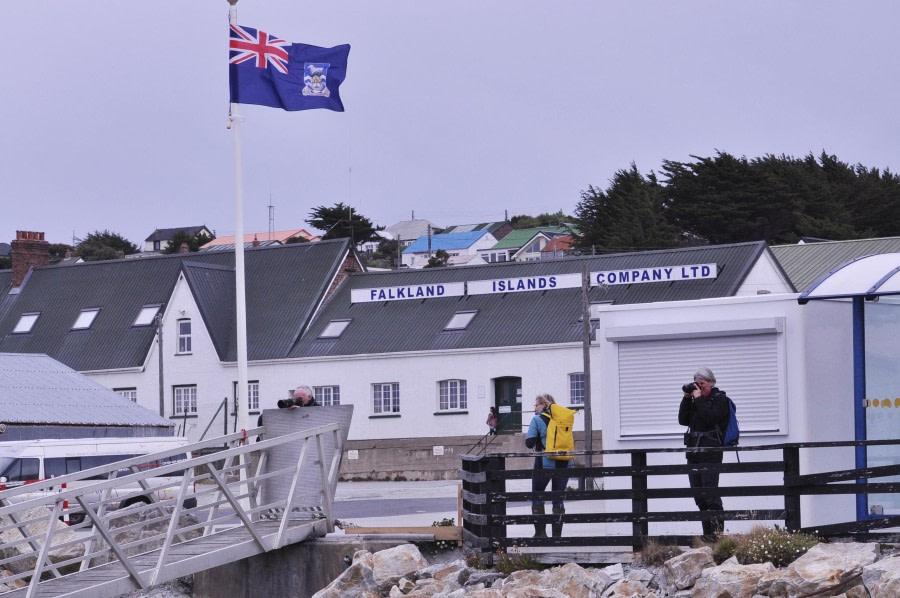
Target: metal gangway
column 244, row 499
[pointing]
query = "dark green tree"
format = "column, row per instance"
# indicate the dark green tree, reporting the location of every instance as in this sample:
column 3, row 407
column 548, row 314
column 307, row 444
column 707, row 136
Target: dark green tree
column 104, row 246
column 194, row 242
column 628, row 215
column 341, row 222
column 438, row 260
column 297, row 239
column 58, row 251
column 5, row 263
column 557, row 218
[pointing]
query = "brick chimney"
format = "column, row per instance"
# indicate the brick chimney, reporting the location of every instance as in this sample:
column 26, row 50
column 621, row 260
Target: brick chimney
column 27, row 250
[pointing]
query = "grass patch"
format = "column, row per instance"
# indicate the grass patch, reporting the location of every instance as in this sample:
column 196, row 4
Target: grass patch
column 656, row 553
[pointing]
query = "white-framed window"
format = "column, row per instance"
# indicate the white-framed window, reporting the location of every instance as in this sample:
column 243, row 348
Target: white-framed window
column 184, row 400
column 327, row 395
column 460, row 320
column 128, row 393
column 146, row 316
column 25, row 323
column 576, row 388
column 252, row 395
column 452, row 395
column 184, row 336
column 335, row 328
column 85, row 318
column 386, row 397
column 534, row 247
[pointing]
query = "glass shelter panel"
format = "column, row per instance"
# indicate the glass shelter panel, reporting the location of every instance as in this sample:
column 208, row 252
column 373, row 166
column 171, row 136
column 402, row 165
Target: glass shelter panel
column 882, row 404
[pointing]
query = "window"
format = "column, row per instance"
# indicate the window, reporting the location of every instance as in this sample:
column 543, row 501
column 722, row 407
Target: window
column 576, row 388
column 252, row 395
column 452, row 395
column 19, row 470
column 25, row 323
column 128, row 393
column 335, row 328
column 460, row 320
column 534, row 247
column 327, row 395
column 146, row 315
column 185, row 400
column 156, row 245
column 85, row 319
column 184, row 336
column 386, row 397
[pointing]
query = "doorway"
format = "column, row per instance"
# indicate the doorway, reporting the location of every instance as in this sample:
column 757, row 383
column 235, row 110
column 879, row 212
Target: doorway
column 508, row 401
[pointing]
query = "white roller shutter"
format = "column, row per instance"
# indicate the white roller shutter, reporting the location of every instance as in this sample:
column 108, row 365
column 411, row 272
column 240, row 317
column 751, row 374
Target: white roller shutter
column 748, row 367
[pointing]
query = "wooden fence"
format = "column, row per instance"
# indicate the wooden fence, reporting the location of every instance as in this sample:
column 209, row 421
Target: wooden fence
column 486, row 497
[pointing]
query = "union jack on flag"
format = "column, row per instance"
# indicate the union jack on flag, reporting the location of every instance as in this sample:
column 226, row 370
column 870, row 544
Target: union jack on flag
column 250, row 44
column 268, row 71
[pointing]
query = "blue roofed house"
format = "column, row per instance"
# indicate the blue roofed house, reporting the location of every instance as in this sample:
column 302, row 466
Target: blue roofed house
column 463, row 248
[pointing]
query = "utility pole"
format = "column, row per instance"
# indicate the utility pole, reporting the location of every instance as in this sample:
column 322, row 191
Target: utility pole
column 586, row 356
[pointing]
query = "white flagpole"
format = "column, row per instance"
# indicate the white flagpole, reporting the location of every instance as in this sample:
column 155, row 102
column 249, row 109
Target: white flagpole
column 234, row 121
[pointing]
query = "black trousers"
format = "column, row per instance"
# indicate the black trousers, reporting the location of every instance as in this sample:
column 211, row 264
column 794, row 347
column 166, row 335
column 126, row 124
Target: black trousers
column 711, row 502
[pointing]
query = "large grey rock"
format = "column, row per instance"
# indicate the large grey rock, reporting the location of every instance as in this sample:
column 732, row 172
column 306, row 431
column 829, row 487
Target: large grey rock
column 133, row 528
column 682, row 571
column 624, row 588
column 357, row 581
column 731, row 579
column 575, row 581
column 38, row 529
column 6, row 586
column 883, row 578
column 825, row 567
column 388, row 566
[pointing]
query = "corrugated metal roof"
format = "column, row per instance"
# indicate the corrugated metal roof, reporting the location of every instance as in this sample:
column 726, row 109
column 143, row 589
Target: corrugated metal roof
column 520, row 237
column 35, row 389
column 512, row 319
column 166, row 234
column 805, row 263
column 284, row 285
column 445, row 241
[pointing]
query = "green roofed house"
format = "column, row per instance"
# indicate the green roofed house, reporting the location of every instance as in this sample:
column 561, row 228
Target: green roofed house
column 523, row 245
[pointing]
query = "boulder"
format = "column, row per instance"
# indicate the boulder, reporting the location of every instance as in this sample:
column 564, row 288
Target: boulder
column 824, row 568
column 357, row 581
column 138, row 524
column 883, row 578
column 682, row 571
column 731, row 579
column 388, row 566
column 624, row 588
column 61, row 534
column 575, row 581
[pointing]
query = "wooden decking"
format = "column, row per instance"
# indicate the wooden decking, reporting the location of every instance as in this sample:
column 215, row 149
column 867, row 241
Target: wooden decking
column 182, row 559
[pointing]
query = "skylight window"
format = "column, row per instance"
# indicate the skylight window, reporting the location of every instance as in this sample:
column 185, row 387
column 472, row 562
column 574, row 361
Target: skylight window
column 335, row 328
column 85, row 319
column 147, row 315
column 460, row 320
column 26, row 321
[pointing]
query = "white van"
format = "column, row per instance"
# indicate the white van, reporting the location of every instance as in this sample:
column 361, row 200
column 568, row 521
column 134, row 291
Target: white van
column 27, row 461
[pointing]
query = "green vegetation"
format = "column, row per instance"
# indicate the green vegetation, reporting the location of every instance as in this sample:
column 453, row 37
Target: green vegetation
column 775, row 545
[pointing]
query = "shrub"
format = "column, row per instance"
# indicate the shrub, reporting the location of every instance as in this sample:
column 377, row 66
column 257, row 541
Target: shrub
column 775, row 545
column 655, row 553
column 724, row 549
column 517, row 561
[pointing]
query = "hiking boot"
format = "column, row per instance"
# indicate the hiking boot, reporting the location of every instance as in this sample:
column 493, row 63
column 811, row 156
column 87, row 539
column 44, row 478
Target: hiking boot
column 556, row 526
column 540, row 529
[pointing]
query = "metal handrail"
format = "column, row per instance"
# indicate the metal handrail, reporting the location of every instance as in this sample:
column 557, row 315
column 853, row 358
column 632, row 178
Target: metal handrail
column 233, row 485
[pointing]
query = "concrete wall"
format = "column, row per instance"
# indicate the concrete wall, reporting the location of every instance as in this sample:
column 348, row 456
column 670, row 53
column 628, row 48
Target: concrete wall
column 296, row 570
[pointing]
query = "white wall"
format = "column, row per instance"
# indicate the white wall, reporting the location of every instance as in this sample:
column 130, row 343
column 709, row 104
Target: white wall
column 816, row 394
column 765, row 277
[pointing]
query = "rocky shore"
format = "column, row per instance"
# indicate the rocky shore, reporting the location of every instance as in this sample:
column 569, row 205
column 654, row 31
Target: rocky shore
column 854, row 570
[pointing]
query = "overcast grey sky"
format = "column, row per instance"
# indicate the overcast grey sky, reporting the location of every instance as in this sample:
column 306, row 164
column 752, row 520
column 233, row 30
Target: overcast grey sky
column 113, row 112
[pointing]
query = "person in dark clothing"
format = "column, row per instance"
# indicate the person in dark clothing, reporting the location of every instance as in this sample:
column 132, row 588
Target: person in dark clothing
column 492, row 421
column 705, row 411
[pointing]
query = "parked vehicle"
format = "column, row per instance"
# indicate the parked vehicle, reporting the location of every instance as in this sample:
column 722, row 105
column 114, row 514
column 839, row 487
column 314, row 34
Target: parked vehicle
column 25, row 462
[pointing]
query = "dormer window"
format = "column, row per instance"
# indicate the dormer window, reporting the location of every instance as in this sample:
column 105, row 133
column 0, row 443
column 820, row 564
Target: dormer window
column 146, row 315
column 335, row 328
column 460, row 320
column 26, row 321
column 85, row 319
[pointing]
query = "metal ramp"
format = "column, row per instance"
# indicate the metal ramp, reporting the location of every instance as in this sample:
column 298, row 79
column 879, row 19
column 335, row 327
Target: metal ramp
column 244, row 500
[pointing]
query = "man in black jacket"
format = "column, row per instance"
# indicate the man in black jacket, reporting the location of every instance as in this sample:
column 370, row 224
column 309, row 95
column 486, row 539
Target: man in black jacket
column 705, row 410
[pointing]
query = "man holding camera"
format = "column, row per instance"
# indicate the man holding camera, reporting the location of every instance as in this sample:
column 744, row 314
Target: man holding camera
column 704, row 409
column 303, row 397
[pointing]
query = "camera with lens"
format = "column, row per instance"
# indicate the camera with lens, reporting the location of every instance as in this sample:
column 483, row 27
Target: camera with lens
column 292, row 402
column 687, row 389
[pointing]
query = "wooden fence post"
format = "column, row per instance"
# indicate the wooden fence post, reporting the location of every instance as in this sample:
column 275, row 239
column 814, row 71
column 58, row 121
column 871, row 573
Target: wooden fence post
column 791, row 497
column 640, row 528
